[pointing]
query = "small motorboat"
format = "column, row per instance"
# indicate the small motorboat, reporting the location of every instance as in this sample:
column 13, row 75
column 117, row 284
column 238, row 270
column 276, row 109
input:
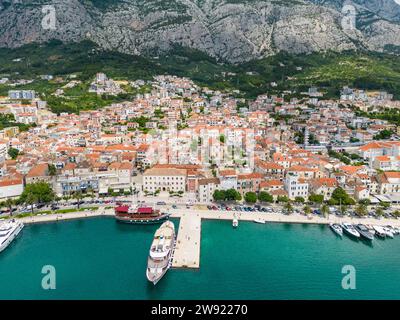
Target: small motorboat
column 396, row 230
column 371, row 229
column 393, row 230
column 259, row 220
column 364, row 232
column 337, row 228
column 235, row 222
column 350, row 230
column 379, row 231
column 388, row 232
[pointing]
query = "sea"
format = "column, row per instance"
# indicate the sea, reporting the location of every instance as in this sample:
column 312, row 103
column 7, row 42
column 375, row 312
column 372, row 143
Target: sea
column 99, row 258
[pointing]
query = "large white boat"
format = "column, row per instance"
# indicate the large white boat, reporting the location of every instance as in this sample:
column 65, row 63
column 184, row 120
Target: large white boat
column 161, row 251
column 350, row 230
column 364, row 232
column 8, row 232
column 337, row 229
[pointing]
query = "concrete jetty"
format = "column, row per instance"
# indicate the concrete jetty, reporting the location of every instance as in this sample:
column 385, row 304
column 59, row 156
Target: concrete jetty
column 187, row 248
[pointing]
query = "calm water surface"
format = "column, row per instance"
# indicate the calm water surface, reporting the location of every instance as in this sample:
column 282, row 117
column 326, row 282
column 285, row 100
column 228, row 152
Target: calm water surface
column 101, row 259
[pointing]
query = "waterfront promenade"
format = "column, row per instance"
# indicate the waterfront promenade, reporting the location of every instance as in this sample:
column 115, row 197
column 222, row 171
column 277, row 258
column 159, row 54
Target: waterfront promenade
column 67, row 216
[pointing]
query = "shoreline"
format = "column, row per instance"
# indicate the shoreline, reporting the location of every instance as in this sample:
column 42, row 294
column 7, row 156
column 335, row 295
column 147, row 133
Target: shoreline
column 213, row 215
column 280, row 218
column 65, row 216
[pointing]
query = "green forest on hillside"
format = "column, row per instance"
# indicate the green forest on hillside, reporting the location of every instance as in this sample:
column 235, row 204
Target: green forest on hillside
column 330, row 70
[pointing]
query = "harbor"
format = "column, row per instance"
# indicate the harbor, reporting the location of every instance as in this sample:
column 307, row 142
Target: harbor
column 187, row 247
column 97, row 258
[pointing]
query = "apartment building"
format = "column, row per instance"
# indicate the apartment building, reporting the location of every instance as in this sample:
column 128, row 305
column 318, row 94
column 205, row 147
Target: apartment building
column 207, row 188
column 164, row 179
column 296, row 186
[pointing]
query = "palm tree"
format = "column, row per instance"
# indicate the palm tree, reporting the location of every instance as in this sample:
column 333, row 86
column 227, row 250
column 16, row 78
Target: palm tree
column 325, row 211
column 31, row 200
column 307, row 210
column 9, row 203
column 361, row 210
column 379, row 212
column 288, row 207
column 78, row 196
column 92, row 195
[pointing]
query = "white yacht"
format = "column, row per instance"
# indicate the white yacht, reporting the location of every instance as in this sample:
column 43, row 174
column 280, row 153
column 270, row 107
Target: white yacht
column 349, row 229
column 161, row 252
column 379, row 231
column 388, row 232
column 8, row 232
column 235, row 222
column 392, row 230
column 337, row 228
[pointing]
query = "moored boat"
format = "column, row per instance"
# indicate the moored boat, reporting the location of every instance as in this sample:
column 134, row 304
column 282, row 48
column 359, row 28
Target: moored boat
column 371, row 229
column 235, row 222
column 388, row 232
column 139, row 215
column 8, row 232
column 392, row 230
column 396, row 230
column 364, row 232
column 161, row 252
column 350, row 230
column 380, row 232
column 336, row 228
column 259, row 220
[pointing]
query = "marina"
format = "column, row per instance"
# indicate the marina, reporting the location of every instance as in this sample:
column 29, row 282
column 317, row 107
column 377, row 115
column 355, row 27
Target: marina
column 276, row 258
column 184, row 251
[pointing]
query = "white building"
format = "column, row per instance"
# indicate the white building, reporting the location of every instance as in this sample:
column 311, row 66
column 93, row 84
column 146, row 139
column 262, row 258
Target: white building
column 164, row 179
column 207, row 188
column 11, row 188
column 296, row 187
column 21, row 94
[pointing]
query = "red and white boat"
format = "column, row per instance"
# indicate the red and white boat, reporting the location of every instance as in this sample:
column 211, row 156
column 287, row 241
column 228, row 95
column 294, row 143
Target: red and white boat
column 139, row 214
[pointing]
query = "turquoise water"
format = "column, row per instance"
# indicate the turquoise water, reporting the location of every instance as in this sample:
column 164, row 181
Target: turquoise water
column 101, row 259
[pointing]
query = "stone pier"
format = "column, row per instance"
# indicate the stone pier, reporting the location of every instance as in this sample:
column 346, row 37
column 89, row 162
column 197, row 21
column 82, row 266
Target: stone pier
column 187, row 248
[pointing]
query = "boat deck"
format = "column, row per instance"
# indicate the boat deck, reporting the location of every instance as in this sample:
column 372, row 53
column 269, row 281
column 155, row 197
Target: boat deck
column 187, row 247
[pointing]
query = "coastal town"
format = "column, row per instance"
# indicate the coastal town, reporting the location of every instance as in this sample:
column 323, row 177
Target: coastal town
column 190, row 144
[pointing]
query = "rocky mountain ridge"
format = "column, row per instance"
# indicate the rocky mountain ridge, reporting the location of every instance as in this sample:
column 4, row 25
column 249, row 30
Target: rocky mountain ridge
column 230, row 30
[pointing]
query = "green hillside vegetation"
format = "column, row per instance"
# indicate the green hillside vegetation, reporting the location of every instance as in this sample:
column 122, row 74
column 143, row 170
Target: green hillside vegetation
column 331, row 71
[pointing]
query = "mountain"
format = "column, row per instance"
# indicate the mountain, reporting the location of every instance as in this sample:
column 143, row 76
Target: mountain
column 229, row 30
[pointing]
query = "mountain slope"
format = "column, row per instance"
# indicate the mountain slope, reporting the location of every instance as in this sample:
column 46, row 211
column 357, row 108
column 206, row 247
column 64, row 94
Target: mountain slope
column 229, row 30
